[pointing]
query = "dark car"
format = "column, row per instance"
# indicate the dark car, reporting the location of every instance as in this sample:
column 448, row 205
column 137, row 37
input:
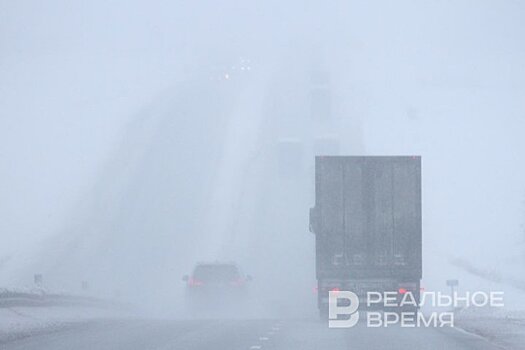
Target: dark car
column 212, row 286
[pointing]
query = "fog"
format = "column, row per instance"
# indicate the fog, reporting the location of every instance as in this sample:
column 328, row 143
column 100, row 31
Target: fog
column 139, row 138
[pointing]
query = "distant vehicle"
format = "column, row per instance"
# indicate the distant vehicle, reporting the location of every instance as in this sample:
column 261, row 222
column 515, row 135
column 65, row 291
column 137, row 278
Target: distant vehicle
column 217, row 281
column 232, row 70
column 320, row 96
column 367, row 223
column 326, row 145
column 290, row 157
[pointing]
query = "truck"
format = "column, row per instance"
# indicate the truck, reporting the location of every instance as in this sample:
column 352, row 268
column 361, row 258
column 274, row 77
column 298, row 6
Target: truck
column 367, row 226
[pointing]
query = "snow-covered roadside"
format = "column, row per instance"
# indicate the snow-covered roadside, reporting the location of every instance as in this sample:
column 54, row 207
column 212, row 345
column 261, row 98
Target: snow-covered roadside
column 500, row 326
column 19, row 322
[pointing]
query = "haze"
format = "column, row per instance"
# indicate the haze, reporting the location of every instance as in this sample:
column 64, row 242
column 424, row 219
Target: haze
column 138, row 138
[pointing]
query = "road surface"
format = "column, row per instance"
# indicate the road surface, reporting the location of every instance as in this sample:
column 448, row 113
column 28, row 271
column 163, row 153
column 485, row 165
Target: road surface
column 244, row 334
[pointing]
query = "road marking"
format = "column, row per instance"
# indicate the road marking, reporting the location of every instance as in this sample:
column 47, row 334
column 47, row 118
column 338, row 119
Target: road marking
column 263, row 338
column 255, row 347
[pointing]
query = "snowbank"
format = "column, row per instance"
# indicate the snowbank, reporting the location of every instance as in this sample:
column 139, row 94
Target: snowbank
column 500, row 326
column 25, row 312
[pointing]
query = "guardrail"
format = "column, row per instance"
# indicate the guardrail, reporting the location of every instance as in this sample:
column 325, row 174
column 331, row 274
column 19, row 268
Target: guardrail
column 40, row 297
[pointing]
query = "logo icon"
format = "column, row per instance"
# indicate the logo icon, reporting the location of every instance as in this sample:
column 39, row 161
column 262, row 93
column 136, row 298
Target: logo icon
column 342, row 303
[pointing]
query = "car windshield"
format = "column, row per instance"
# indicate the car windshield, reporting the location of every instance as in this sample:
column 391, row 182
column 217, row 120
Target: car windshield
column 216, row 273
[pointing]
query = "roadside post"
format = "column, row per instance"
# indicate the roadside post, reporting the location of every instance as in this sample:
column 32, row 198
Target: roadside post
column 453, row 284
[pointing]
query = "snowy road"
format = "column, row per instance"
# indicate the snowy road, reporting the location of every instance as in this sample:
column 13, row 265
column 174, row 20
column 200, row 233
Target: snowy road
column 244, row 334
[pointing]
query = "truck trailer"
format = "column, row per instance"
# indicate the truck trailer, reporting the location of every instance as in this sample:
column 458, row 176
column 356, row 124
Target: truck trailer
column 367, row 226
